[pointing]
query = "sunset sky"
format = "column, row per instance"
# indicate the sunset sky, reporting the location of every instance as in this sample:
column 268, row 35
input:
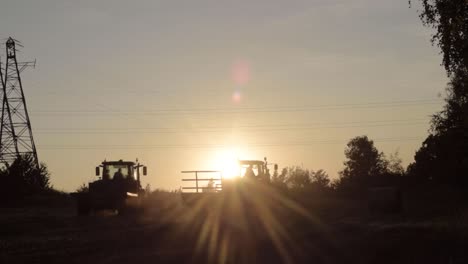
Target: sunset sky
column 185, row 85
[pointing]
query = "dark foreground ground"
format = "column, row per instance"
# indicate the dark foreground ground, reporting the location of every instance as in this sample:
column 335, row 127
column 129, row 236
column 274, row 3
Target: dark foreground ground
column 45, row 234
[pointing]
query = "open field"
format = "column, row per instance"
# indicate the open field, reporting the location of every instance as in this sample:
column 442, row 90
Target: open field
column 39, row 234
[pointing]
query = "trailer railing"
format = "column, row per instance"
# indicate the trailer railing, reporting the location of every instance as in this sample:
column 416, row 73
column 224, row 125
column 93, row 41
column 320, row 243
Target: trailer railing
column 216, row 187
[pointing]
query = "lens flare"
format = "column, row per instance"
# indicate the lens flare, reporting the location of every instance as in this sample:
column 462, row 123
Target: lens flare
column 240, row 72
column 239, row 222
column 236, row 97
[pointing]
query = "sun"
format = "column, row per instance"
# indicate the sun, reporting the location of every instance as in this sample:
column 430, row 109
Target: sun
column 227, row 161
column 230, row 169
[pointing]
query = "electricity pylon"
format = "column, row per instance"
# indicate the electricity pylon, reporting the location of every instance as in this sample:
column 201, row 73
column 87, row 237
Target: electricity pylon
column 16, row 137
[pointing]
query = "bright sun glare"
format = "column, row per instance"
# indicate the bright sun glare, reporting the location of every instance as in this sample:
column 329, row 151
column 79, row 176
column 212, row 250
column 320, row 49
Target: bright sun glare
column 228, row 162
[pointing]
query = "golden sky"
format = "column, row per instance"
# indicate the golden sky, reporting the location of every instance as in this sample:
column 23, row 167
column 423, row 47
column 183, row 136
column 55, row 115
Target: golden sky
column 179, row 84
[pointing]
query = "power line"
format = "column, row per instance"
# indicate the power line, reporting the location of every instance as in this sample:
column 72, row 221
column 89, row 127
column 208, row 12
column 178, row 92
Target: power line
column 232, row 110
column 222, row 129
column 197, row 146
column 252, row 125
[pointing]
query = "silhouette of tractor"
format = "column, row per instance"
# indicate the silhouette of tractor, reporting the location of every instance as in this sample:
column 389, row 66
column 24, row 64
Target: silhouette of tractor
column 251, row 173
column 118, row 189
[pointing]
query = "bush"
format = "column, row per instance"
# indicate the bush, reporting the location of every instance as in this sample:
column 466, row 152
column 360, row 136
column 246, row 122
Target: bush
column 23, row 177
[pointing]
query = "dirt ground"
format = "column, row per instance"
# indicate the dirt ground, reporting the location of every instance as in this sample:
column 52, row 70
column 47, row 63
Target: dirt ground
column 41, row 234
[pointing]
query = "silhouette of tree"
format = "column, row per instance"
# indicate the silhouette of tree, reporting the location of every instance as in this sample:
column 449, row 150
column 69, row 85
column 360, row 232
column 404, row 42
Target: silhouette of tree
column 428, row 160
column 320, row 180
column 364, row 162
column 23, row 177
column 443, row 156
column 280, row 180
column 450, row 19
column 394, row 164
column 298, row 178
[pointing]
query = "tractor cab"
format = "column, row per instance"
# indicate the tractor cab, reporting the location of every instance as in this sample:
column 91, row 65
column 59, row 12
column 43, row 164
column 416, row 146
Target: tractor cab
column 118, row 186
column 255, row 170
column 118, row 170
column 119, row 177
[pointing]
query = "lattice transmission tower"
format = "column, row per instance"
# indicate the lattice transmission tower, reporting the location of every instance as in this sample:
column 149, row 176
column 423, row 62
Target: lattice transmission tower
column 16, row 137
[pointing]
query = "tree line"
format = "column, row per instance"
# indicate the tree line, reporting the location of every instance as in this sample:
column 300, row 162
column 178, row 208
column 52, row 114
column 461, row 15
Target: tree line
column 443, row 156
column 365, row 167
